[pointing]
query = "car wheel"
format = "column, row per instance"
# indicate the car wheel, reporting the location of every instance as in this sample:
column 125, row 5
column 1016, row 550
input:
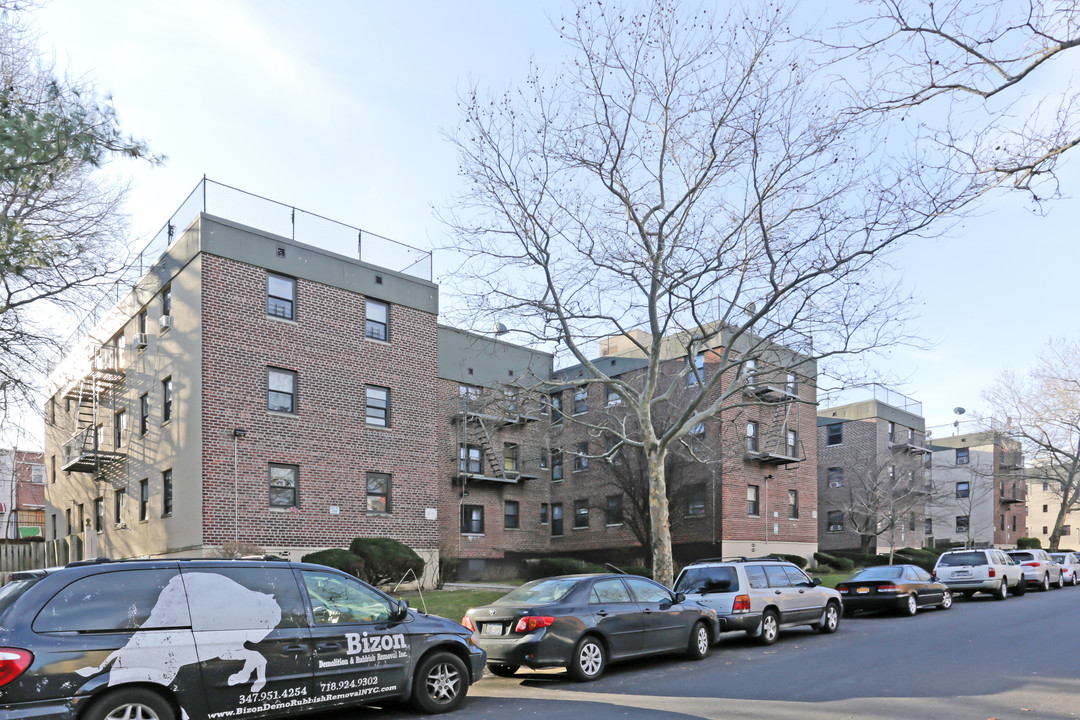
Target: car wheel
column 1060, row 582
column 131, row 704
column 1002, row 591
column 946, row 601
column 911, row 606
column 1073, row 579
column 1021, row 587
column 1045, row 583
column 502, row 670
column 440, row 684
column 588, row 659
column 698, row 647
column 769, row 628
column 831, row 621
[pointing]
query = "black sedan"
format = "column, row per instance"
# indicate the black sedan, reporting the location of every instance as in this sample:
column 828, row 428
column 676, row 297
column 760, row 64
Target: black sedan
column 904, row 588
column 582, row 622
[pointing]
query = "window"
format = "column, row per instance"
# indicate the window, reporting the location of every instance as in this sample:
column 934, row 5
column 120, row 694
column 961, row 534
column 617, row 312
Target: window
column 613, row 510
column 753, row 505
column 50, row 411
column 556, row 519
column 119, row 428
column 836, row 521
column 510, row 402
column 284, row 483
column 543, row 513
column 144, row 499
column 67, row 517
column 280, row 390
column 119, row 499
column 793, row 505
column 836, row 477
column 469, row 459
column 834, row 434
column 342, row 600
column 280, row 296
column 378, row 492
column 166, row 300
column 892, row 432
column 963, row 456
column 556, row 408
column 99, row 437
column 581, row 514
column 471, row 397
column 1045, row 530
column 141, row 324
column 510, row 514
column 928, row 527
column 751, row 371
column 792, row 443
column 581, row 461
column 613, row 397
column 99, row 514
column 377, row 318
column 892, row 474
column 1046, row 485
column 166, row 493
column 911, row 523
column 166, row 400
column 543, row 459
column 1002, row 524
column 751, row 437
column 581, row 400
column 697, row 372
column 607, row 592
column 695, row 500
column 962, row 523
column 37, row 474
column 963, row 489
column 556, row 465
column 1045, row 508
column 510, row 457
column 52, row 468
column 792, row 384
column 472, row 519
column 144, row 413
column 1014, row 523
column 378, row 405
column 698, row 430
column 1066, row 530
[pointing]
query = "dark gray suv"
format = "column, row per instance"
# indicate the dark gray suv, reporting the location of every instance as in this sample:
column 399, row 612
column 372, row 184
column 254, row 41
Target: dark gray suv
column 160, row 640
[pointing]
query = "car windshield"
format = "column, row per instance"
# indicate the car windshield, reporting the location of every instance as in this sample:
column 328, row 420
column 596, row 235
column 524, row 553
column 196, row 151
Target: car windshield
column 1021, row 556
column 707, row 579
column 963, row 558
column 539, row 592
column 880, row 573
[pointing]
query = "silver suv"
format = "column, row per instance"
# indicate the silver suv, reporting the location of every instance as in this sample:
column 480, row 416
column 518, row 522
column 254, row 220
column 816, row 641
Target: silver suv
column 1040, row 570
column 760, row 596
column 988, row 570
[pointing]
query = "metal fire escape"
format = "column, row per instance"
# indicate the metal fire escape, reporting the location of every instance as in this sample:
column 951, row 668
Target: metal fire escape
column 85, row 450
column 777, row 450
column 475, row 429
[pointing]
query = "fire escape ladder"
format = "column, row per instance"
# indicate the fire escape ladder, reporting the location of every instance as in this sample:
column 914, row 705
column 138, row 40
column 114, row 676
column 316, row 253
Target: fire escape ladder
column 488, row 448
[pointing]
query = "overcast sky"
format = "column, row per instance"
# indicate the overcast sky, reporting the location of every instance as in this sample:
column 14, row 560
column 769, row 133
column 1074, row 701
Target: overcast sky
column 339, row 108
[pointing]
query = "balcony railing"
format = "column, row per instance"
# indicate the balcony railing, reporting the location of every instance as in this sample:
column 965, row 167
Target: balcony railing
column 81, row 453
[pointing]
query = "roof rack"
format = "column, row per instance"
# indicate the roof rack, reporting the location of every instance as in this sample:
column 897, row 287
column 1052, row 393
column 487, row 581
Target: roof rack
column 737, row 558
column 100, row 559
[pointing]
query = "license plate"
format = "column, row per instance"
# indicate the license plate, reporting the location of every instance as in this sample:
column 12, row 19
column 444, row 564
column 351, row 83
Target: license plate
column 492, row 629
column 863, row 590
column 962, row 573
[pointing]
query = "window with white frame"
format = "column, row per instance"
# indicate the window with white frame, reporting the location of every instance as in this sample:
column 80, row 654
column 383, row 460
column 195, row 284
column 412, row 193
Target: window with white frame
column 280, row 296
column 753, row 500
column 284, row 485
column 376, row 320
column 751, row 437
column 581, row 400
column 581, row 459
column 280, row 390
column 377, row 410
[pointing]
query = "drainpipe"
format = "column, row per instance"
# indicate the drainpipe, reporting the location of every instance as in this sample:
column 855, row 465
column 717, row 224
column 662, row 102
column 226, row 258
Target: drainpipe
column 237, row 434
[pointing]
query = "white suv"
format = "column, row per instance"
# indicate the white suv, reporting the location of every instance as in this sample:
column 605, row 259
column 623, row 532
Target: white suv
column 971, row 570
column 1040, row 570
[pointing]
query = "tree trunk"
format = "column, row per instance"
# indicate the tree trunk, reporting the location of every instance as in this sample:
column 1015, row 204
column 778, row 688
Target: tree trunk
column 663, row 567
column 864, row 544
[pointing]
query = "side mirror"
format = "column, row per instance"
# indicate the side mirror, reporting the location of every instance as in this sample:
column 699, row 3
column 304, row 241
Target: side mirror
column 815, row 582
column 401, row 611
column 680, row 597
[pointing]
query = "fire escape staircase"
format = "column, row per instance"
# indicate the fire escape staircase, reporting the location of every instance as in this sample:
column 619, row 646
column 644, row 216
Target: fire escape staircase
column 776, row 452
column 84, row 451
column 474, row 430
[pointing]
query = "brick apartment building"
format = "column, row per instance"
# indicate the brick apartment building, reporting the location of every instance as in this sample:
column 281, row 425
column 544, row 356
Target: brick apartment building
column 1043, row 504
column 249, row 388
column 980, row 495
column 872, row 474
column 22, row 493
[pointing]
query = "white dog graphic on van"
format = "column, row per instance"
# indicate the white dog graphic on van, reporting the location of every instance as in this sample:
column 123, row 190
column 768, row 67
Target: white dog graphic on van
column 224, row 614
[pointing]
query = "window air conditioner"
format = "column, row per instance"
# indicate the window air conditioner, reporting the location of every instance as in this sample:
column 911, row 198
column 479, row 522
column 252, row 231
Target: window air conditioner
column 121, row 526
column 835, row 484
column 836, row 528
column 165, row 322
column 140, row 340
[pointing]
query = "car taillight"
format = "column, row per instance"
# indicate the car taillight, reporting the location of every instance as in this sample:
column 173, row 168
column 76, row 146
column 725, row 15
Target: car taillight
column 468, row 623
column 992, row 573
column 888, row 588
column 528, row 624
column 742, row 603
column 842, row 589
column 1031, row 564
column 12, row 663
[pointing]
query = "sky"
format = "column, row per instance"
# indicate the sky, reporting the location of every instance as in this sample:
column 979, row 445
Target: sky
column 340, row 108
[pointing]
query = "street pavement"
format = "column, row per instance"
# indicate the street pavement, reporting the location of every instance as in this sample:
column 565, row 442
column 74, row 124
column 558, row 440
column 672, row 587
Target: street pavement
column 983, row 660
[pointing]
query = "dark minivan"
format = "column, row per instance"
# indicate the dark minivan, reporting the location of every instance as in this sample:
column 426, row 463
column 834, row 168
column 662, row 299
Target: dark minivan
column 168, row 639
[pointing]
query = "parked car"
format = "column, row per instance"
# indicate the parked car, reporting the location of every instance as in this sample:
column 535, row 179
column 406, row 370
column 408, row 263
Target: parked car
column 583, row 622
column 1040, row 570
column 1070, row 566
column 161, row 640
column 972, row 570
column 761, row 596
column 904, row 588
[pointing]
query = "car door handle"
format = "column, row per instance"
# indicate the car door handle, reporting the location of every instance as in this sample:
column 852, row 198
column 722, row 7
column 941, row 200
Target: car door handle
column 648, row 611
column 294, row 649
column 327, row 646
column 802, row 592
column 602, row 613
column 777, row 592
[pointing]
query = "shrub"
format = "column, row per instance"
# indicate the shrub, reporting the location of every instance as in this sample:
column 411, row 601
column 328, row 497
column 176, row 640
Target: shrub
column 386, row 559
column 832, row 562
column 239, row 549
column 547, row 567
column 794, row 559
column 339, row 559
column 1028, row 543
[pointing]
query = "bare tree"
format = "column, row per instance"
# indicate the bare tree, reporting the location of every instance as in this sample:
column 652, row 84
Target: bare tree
column 686, row 177
column 1042, row 410
column 881, row 495
column 972, row 63
column 61, row 231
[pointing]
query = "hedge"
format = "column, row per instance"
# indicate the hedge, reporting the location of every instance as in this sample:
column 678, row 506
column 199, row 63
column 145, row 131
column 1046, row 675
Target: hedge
column 386, row 560
column 538, row 568
column 339, row 559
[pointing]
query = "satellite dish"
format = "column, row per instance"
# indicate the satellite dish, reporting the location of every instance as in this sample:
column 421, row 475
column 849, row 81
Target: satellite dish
column 499, row 329
column 959, row 410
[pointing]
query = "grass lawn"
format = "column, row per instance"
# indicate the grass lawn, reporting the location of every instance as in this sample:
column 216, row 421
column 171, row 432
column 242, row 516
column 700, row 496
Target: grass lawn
column 830, row 579
column 450, row 604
